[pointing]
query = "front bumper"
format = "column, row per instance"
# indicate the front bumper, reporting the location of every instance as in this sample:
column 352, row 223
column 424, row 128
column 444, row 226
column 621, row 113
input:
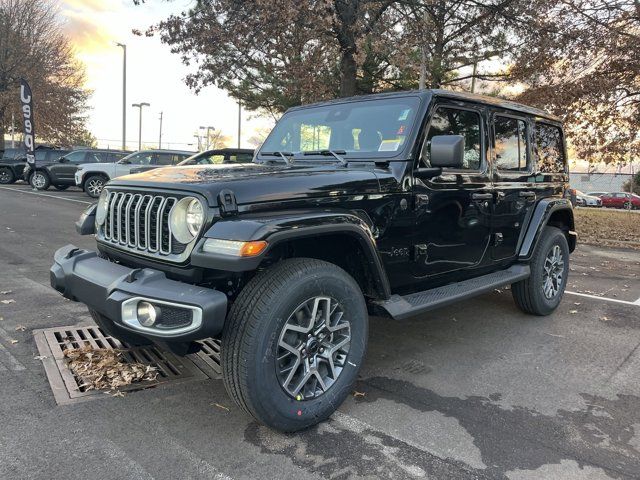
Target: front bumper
column 114, row 290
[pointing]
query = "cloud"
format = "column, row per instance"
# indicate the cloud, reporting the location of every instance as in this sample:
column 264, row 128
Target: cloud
column 87, row 34
column 93, row 5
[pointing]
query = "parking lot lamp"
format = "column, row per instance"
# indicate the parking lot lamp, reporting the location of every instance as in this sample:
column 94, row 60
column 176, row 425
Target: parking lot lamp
column 140, row 105
column 124, row 95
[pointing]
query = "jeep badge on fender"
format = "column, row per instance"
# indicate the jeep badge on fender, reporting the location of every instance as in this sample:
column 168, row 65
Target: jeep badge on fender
column 393, row 204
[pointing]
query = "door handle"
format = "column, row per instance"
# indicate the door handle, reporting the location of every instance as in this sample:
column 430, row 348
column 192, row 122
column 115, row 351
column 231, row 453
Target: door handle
column 527, row 194
column 482, row 196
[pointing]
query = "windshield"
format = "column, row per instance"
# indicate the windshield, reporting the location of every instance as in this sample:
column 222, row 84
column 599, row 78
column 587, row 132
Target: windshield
column 361, row 129
column 138, row 158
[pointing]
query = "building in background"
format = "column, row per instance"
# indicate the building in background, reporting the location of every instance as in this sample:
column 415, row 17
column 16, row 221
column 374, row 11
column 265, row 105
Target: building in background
column 605, row 178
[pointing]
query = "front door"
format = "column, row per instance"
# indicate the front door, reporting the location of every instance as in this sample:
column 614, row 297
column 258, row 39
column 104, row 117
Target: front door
column 511, row 137
column 64, row 170
column 453, row 210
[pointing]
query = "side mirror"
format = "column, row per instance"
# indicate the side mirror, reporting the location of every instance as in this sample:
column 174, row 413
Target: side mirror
column 63, row 160
column 447, row 151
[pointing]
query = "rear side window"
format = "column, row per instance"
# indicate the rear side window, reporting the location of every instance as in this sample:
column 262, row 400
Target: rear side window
column 548, row 148
column 115, row 156
column 241, row 158
column 165, row 159
column 510, row 144
column 454, row 121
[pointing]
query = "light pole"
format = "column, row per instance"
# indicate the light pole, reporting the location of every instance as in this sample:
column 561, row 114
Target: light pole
column 140, row 105
column 239, row 121
column 201, row 135
column 208, row 136
column 160, row 137
column 124, row 95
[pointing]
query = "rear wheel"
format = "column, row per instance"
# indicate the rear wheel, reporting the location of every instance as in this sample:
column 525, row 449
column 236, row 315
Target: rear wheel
column 627, row 205
column 6, row 176
column 541, row 293
column 293, row 343
column 40, row 180
column 94, row 184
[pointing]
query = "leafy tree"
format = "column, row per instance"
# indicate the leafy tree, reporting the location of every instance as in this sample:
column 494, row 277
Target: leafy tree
column 632, row 183
column 585, row 67
column 32, row 46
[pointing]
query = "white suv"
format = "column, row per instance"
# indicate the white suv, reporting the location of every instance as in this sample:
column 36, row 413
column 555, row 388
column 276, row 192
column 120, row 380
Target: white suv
column 92, row 177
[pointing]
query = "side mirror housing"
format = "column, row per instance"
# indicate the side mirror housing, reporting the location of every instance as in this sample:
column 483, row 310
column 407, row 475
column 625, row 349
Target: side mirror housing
column 447, row 151
column 63, row 160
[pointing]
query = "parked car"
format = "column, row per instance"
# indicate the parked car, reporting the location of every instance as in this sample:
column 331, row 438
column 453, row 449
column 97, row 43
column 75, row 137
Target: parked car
column 60, row 172
column 628, row 201
column 11, row 166
column 220, row 156
column 585, row 200
column 92, row 177
column 388, row 203
column 597, row 194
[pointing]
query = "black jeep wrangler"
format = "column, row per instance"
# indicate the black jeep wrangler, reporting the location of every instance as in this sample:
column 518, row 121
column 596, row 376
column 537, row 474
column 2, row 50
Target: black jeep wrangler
column 391, row 204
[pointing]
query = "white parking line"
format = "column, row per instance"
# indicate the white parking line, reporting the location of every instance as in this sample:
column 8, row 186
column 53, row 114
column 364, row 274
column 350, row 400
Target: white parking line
column 606, row 299
column 46, row 195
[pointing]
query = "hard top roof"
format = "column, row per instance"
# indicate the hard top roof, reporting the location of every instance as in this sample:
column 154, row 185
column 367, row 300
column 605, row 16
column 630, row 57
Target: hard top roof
column 461, row 96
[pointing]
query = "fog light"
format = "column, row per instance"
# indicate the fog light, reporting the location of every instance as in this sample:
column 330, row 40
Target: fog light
column 147, row 314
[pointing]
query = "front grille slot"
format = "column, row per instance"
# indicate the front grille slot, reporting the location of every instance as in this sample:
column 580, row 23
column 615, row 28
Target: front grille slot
column 140, row 223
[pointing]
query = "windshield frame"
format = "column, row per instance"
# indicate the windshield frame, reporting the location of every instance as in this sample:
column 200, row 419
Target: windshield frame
column 398, row 156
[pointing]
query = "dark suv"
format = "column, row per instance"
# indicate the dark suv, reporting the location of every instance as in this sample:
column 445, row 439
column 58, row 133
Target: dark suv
column 59, row 170
column 393, row 204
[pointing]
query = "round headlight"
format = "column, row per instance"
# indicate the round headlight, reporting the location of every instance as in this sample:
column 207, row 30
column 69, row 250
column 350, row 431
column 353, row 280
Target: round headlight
column 186, row 219
column 101, row 211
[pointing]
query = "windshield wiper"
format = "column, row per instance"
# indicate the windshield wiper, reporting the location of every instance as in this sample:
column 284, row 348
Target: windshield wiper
column 286, row 156
column 336, row 153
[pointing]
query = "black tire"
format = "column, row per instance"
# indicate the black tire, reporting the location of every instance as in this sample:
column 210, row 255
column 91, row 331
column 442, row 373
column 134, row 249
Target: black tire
column 529, row 294
column 61, row 187
column 39, row 180
column 251, row 336
column 94, row 184
column 627, row 205
column 6, row 176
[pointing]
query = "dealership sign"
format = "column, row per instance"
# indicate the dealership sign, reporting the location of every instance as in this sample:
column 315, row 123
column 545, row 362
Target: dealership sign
column 26, row 99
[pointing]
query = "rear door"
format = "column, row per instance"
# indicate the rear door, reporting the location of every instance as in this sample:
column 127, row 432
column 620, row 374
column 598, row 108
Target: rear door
column 515, row 189
column 64, row 165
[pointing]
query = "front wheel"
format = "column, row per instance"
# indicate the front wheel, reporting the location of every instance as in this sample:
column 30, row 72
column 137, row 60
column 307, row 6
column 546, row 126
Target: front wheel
column 540, row 294
column 94, row 185
column 293, row 343
column 39, row 180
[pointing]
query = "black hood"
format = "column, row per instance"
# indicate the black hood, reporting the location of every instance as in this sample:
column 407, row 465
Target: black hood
column 255, row 183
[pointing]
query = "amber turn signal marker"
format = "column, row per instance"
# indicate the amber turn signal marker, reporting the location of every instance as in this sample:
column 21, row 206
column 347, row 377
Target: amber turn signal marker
column 251, row 249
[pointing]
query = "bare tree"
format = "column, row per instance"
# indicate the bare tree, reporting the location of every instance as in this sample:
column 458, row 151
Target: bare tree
column 32, row 46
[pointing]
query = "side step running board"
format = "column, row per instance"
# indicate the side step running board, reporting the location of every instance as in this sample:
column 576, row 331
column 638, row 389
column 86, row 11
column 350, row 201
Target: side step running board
column 405, row 306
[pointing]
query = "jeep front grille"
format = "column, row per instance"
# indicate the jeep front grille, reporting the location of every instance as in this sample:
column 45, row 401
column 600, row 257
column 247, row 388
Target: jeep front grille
column 139, row 222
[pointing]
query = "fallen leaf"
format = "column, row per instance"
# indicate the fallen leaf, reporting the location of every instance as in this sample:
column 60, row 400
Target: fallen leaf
column 576, row 303
column 605, row 319
column 20, row 328
column 6, row 292
column 573, row 311
column 221, row 407
column 13, row 342
column 40, row 357
column 117, row 393
column 7, row 302
column 357, row 394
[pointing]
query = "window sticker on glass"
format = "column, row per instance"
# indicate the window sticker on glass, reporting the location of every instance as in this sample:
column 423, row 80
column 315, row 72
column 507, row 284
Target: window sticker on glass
column 389, row 145
column 404, row 115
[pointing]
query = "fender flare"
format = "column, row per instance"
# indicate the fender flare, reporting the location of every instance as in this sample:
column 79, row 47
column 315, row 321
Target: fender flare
column 281, row 227
column 539, row 219
column 89, row 173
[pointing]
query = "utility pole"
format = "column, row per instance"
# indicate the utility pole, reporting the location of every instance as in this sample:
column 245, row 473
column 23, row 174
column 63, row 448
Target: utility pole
column 200, row 143
column 124, row 95
column 13, row 131
column 239, row 122
column 473, row 77
column 209, row 136
column 140, row 105
column 160, row 137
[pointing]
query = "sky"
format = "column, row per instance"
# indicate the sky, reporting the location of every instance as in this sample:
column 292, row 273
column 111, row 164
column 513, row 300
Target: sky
column 154, row 75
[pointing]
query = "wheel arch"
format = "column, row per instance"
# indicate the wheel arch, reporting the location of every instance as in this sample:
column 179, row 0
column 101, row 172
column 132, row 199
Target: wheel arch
column 555, row 212
column 90, row 174
column 342, row 238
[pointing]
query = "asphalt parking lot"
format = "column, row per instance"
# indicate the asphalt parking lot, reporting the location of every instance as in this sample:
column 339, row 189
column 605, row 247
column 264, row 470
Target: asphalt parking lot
column 476, row 390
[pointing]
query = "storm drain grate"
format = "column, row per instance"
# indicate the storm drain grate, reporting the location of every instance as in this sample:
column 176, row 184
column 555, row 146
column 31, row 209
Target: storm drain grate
column 208, row 358
column 52, row 342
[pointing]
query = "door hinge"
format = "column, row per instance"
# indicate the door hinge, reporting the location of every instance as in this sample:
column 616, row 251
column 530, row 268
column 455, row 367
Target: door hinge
column 227, row 203
column 497, row 239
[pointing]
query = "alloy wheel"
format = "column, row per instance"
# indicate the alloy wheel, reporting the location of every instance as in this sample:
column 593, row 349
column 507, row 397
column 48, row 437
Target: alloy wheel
column 38, row 180
column 553, row 274
column 95, row 186
column 313, row 348
column 5, row 176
